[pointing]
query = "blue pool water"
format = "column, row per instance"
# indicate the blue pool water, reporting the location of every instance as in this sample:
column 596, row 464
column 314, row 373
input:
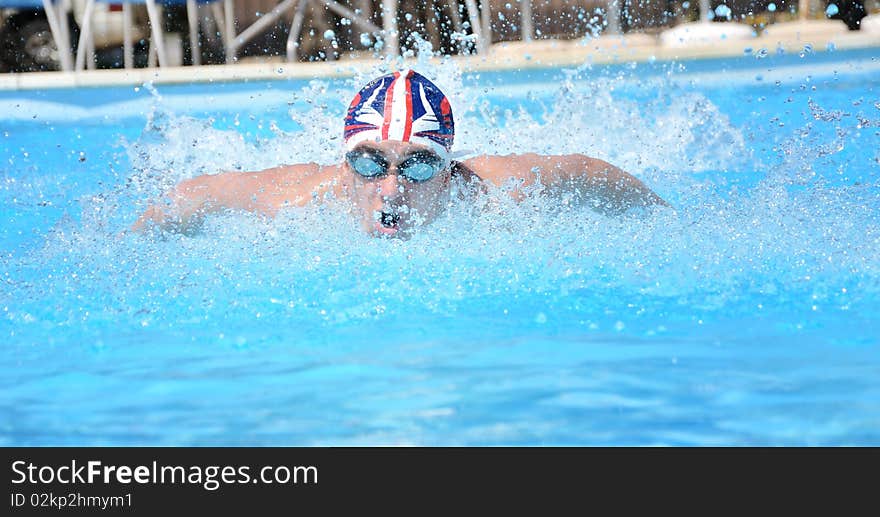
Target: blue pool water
column 748, row 315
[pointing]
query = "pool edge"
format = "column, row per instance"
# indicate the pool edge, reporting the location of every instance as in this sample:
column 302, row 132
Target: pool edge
column 502, row 56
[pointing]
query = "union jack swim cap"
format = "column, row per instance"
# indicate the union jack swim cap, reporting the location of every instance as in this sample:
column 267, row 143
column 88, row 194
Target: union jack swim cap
column 402, row 106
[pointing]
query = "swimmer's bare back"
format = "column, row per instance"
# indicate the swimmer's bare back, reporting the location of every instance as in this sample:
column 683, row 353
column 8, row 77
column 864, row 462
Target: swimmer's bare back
column 605, row 187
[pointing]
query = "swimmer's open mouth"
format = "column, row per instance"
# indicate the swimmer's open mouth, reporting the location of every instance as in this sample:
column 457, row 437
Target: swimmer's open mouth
column 389, row 219
column 386, row 222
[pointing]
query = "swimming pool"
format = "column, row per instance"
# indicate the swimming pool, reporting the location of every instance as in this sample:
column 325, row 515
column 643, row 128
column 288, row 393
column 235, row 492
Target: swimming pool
column 748, row 315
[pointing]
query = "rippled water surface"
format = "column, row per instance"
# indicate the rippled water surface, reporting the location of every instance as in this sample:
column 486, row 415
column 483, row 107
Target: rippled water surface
column 745, row 315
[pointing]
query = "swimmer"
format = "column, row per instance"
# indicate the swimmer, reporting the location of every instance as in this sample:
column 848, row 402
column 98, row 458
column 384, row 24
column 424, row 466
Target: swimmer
column 398, row 170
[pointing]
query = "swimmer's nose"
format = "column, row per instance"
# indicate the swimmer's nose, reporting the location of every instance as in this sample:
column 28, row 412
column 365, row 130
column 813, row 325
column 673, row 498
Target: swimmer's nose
column 389, row 185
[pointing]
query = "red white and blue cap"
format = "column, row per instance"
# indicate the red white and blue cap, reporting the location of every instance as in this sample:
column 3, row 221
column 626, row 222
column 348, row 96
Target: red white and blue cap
column 403, row 106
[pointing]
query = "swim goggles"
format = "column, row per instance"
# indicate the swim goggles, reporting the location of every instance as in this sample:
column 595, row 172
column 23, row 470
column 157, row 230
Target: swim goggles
column 419, row 166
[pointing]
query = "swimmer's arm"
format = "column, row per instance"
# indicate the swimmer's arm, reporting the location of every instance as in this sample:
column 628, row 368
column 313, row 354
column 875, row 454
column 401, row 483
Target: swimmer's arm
column 183, row 208
column 599, row 184
column 595, row 182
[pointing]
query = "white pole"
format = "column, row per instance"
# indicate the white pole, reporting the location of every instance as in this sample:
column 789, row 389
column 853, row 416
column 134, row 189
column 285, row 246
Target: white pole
column 152, row 57
column 128, row 51
column 64, row 24
column 705, row 8
column 62, row 39
column 231, row 48
column 803, row 9
column 355, row 18
column 219, row 21
column 486, row 11
column 82, row 48
column 192, row 15
column 389, row 26
column 528, row 31
column 156, row 38
column 90, row 64
column 455, row 15
column 476, row 28
column 612, row 16
column 261, row 24
column 295, row 29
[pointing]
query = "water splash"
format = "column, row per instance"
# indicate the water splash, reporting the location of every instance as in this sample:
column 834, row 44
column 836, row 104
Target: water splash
column 750, row 305
column 791, row 238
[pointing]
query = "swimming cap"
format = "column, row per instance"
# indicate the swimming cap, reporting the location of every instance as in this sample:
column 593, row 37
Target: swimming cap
column 402, row 106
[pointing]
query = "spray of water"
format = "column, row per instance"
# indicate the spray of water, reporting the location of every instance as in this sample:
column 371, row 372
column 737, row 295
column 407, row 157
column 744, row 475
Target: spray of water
column 792, row 237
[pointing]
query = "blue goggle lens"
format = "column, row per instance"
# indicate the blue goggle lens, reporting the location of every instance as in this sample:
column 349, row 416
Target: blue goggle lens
column 420, row 166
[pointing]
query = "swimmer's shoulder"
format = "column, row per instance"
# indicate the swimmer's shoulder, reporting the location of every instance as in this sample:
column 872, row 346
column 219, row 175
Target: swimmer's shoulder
column 462, row 170
column 497, row 169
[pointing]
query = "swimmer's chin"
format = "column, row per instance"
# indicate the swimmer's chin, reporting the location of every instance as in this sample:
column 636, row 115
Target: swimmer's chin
column 385, row 224
column 381, row 230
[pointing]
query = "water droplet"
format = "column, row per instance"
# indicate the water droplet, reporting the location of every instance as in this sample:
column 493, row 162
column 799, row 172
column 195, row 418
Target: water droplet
column 723, row 11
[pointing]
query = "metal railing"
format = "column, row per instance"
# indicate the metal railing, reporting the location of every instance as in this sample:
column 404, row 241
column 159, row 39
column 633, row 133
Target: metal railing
column 478, row 13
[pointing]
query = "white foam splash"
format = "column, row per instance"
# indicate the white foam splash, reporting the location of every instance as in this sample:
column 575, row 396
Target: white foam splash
column 790, row 239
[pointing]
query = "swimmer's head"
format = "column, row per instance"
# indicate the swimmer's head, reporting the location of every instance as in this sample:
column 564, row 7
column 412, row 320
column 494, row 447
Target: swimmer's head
column 402, row 106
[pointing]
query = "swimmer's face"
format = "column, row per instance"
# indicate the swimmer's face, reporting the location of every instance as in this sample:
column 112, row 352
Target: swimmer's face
column 390, row 203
